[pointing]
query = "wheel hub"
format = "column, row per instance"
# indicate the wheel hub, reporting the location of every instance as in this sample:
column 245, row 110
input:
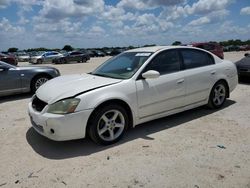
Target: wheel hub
column 111, row 125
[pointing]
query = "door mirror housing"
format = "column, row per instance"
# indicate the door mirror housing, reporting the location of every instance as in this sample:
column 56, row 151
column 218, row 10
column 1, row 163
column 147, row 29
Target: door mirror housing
column 151, row 74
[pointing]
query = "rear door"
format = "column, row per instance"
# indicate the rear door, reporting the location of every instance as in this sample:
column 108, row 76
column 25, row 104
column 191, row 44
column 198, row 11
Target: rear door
column 10, row 80
column 200, row 74
column 160, row 95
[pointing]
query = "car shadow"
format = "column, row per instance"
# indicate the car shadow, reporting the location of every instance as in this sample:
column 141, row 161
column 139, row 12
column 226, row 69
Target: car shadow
column 84, row 147
column 15, row 97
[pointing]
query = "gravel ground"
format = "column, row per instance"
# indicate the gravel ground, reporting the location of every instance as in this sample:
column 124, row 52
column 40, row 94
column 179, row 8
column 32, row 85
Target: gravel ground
column 197, row 148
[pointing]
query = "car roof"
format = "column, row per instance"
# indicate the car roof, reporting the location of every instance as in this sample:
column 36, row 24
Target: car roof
column 157, row 48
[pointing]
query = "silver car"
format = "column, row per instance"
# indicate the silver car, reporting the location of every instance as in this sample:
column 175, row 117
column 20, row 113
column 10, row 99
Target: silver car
column 15, row 80
column 22, row 56
column 46, row 57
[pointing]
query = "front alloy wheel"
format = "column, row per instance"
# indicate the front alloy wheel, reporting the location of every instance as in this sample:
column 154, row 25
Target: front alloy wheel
column 38, row 81
column 108, row 124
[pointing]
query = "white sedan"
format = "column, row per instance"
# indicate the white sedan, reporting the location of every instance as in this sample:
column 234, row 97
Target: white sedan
column 134, row 87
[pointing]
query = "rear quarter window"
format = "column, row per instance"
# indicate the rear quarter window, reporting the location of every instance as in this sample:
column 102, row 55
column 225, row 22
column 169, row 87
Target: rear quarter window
column 196, row 58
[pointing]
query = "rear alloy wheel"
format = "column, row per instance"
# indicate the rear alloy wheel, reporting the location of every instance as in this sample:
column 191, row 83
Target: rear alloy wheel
column 39, row 61
column 218, row 95
column 108, row 124
column 37, row 82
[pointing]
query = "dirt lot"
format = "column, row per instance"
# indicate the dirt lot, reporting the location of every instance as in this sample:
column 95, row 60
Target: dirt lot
column 177, row 151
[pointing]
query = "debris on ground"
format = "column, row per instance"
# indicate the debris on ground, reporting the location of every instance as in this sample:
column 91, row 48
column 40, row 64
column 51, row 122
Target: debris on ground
column 220, row 177
column 221, row 146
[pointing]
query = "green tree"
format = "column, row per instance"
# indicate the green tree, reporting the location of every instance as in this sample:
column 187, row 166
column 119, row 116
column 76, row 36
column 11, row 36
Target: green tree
column 13, row 49
column 68, row 48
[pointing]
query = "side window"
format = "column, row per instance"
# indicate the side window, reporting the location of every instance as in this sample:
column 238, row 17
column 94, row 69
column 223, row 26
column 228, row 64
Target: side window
column 165, row 62
column 48, row 54
column 195, row 58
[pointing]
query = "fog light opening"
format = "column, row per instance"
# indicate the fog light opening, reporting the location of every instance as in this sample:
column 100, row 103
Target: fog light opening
column 52, row 131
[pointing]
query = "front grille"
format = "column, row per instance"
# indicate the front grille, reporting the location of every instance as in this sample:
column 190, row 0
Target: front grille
column 38, row 104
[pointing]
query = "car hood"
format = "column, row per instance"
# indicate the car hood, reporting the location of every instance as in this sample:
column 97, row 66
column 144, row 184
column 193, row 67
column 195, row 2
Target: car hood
column 36, row 57
column 71, row 85
column 34, row 67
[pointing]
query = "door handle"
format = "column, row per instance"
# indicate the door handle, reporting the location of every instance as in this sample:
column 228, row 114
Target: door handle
column 180, row 81
column 213, row 72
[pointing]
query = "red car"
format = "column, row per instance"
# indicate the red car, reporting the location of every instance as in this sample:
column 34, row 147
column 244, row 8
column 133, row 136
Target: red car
column 8, row 59
column 213, row 47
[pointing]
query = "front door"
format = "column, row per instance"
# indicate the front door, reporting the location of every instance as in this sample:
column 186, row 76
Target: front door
column 10, row 80
column 165, row 93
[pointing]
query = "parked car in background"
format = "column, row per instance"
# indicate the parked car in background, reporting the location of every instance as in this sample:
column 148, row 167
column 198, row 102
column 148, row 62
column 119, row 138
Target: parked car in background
column 16, row 80
column 8, row 59
column 108, row 52
column 91, row 53
column 46, row 57
column 115, row 52
column 213, row 47
column 98, row 53
column 245, row 47
column 77, row 56
column 22, row 56
column 134, row 87
column 243, row 66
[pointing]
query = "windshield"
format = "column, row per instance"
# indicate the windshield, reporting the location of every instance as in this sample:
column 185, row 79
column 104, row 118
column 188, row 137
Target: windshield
column 123, row 66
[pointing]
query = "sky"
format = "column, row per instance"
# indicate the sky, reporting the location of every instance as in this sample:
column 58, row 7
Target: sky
column 109, row 23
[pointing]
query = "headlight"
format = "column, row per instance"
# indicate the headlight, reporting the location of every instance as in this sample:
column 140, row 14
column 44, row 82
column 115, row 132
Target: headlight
column 65, row 106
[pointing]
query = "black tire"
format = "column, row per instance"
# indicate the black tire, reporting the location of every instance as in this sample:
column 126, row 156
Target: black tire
column 104, row 121
column 84, row 60
column 64, row 61
column 39, row 61
column 218, row 95
column 38, row 81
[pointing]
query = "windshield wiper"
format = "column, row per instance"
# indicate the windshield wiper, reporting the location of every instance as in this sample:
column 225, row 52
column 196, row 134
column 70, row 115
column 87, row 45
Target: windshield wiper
column 102, row 75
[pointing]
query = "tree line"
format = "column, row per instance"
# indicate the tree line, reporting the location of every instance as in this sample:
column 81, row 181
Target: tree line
column 67, row 47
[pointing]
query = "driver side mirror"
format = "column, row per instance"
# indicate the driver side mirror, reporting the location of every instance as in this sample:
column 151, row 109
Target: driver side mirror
column 246, row 54
column 151, row 74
